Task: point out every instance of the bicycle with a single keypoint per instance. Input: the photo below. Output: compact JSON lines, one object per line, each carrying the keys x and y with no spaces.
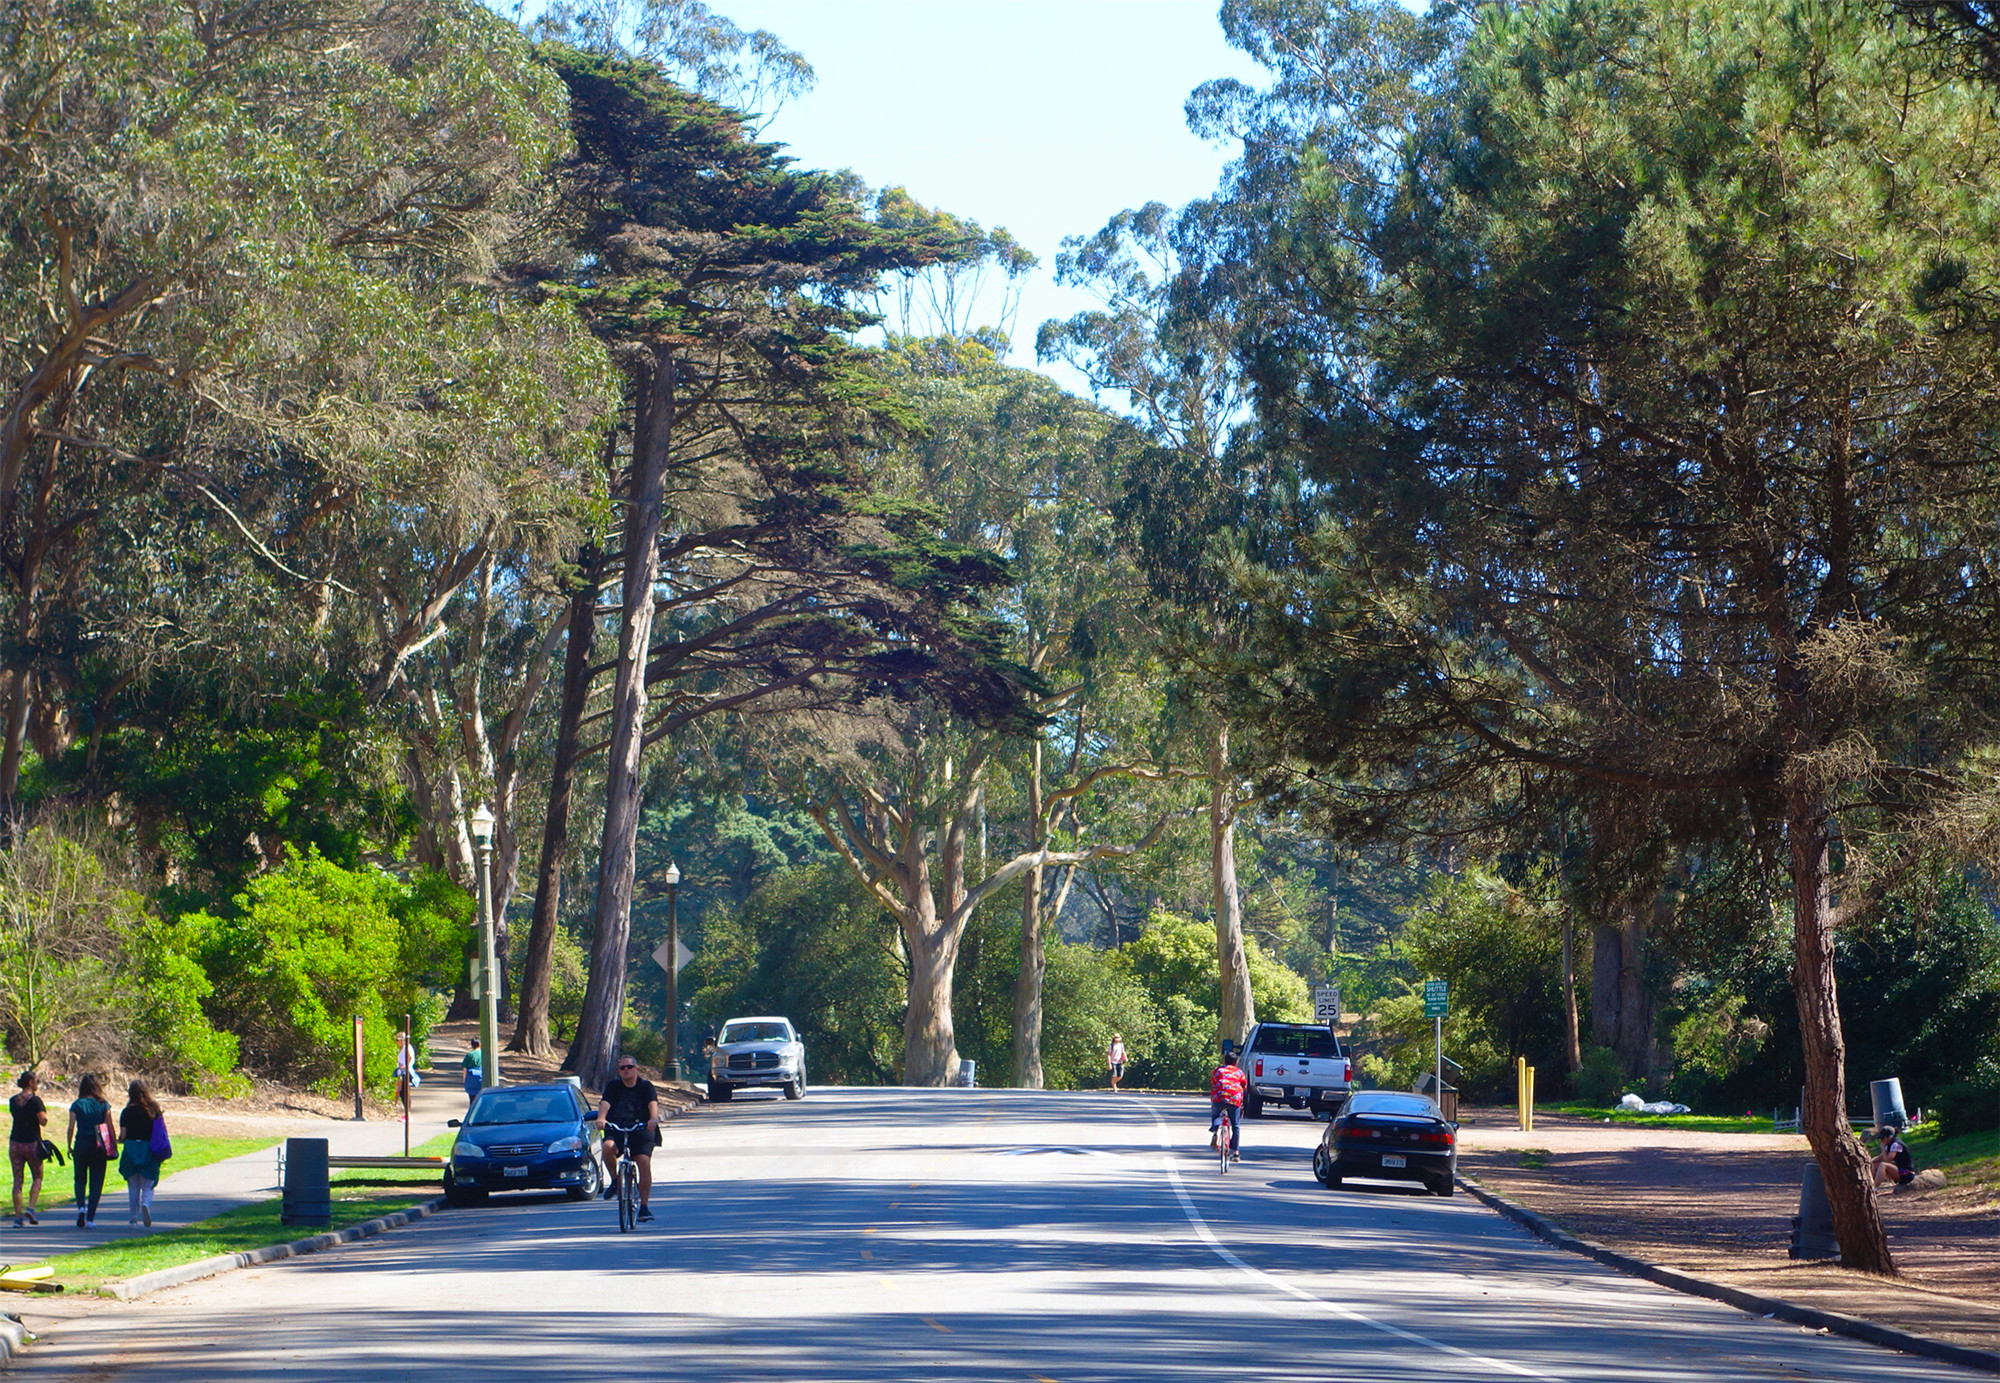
{"x":625,"y":1176}
{"x":1225,"y":1142}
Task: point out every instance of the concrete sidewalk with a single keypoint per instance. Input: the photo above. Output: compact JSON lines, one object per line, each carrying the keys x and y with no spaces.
{"x":183,"y":1198}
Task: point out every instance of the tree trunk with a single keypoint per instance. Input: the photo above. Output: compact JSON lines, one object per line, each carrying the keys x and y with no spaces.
{"x":929,"y":1044}
{"x":1607,"y":945}
{"x":531,"y":1030}
{"x":1572,"y":1039}
{"x":1239,"y":1010}
{"x":596,"y":1045}
{"x":1034,"y":957}
{"x":1857,"y":1219}
{"x":1635,"y":1008}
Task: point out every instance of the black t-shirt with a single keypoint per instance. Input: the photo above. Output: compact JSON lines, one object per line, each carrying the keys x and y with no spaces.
{"x":27,"y":1128}
{"x":629,"y":1104}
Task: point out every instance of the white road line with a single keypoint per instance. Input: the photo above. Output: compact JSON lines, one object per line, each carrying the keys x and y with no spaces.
{"x":1207,"y":1236}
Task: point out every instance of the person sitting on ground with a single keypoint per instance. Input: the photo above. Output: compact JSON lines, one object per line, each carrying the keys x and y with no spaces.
{"x":1893,"y":1166}
{"x":632,"y":1102}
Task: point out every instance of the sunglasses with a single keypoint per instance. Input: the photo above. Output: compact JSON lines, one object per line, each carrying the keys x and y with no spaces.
{"x":628,"y":1068}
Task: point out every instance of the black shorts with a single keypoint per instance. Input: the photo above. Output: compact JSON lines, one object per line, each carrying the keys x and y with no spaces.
{"x":642,"y":1141}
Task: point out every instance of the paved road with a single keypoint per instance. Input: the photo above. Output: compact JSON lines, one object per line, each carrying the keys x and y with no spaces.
{"x":924,"y":1235}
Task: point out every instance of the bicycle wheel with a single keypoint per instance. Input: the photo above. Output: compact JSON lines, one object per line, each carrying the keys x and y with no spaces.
{"x":628,"y":1196}
{"x":1222,"y":1146}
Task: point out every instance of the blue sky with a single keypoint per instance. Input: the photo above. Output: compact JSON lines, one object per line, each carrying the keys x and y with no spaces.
{"x":1043,"y":117}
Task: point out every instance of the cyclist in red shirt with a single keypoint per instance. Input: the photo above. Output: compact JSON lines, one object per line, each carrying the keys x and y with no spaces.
{"x":1225,"y":1103}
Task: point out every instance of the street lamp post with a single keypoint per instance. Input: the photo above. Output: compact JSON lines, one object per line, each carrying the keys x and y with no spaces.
{"x":673,"y":973}
{"x":489,"y":989}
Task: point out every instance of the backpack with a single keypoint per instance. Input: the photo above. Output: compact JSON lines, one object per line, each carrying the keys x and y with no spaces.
{"x":161,"y":1145}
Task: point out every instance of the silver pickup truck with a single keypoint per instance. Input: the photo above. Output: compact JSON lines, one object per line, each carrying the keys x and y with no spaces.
{"x":1295,"y":1064}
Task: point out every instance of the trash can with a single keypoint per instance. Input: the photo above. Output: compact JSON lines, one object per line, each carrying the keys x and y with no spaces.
{"x":966,"y":1071}
{"x":308,"y":1200}
{"x":1886,"y":1096}
{"x":1812,"y":1227}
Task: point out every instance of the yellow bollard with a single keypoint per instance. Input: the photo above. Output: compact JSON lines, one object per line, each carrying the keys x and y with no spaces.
{"x":1529,"y":1106}
{"x":1521,"y":1092}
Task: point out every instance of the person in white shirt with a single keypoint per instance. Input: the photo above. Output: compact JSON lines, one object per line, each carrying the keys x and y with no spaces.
{"x":1115,"y":1059}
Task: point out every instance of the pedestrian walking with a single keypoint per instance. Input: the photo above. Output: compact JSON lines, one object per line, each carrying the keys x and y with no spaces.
{"x":143,"y":1127}
{"x":475,"y":1072}
{"x":24,"y":1144}
{"x":407,"y":1078}
{"x":1115,"y":1059}
{"x":92,"y":1141}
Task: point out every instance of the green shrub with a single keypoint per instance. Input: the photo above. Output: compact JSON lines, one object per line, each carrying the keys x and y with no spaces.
{"x":171,"y":1036}
{"x":310,"y":946}
{"x":1968,"y":1106}
{"x":1600,"y":1080}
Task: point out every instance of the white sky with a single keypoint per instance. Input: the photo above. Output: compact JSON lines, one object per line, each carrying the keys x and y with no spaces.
{"x":1046,"y":117}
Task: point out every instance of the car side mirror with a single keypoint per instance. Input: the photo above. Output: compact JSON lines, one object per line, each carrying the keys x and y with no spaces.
{"x":451,"y":1123}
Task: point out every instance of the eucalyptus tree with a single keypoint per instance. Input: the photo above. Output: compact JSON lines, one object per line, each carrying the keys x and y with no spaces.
{"x":1192,"y":504}
{"x":242,"y":248}
{"x":1639,"y":359}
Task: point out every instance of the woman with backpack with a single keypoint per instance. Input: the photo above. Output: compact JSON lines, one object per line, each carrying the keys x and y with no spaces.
{"x":143,"y":1128}
{"x":92,"y":1141}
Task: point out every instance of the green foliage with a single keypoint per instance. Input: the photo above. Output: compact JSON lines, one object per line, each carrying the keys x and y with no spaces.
{"x":812,"y":945}
{"x":1601,"y":1079}
{"x":1173,"y":962}
{"x":1087,"y":995}
{"x":1968,"y":1106}
{"x":1499,"y":947}
{"x":309,"y":946}
{"x":172,"y":1035}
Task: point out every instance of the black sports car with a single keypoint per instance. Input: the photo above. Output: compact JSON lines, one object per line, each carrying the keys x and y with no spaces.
{"x":1386,"y":1135}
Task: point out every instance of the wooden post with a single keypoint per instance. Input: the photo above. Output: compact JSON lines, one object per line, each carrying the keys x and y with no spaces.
{"x":358,"y":1115}
{"x":409,"y":1047}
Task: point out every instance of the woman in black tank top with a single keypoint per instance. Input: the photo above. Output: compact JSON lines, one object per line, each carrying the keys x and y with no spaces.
{"x":24,"y":1143}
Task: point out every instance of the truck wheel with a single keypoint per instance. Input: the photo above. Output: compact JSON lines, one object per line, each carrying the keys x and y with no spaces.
{"x":1253,"y":1107}
{"x":795,"y":1087}
{"x":719,"y":1091}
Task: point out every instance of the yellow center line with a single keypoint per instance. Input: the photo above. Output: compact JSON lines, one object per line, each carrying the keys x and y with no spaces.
{"x":1041,"y":1378}
{"x":941,"y":1329}
{"x":869,"y":1230}
{"x":894,"y":1204}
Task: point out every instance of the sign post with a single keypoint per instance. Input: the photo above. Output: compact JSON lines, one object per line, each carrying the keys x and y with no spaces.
{"x":1437,"y":1001}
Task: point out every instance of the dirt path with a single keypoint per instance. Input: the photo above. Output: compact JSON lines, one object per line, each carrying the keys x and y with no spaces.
{"x":1720,"y":1205}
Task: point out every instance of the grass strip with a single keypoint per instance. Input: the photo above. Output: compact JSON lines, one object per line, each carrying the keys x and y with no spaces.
{"x":234,"y":1231}
{"x":189,"y":1152}
{"x":1697,"y":1123}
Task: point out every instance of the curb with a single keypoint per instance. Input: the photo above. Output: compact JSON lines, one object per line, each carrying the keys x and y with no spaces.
{"x":139,"y":1286}
{"x":1830,"y":1321}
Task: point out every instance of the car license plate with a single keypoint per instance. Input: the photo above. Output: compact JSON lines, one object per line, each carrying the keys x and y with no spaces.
{"x":523,"y":1171}
{"x":1394,"y":1160}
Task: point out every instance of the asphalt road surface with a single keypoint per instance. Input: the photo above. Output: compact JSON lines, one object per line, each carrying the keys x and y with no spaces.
{"x":933,"y":1234}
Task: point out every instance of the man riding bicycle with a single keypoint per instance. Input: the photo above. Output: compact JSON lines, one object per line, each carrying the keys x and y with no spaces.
{"x":631,"y":1102}
{"x":1225,"y":1103}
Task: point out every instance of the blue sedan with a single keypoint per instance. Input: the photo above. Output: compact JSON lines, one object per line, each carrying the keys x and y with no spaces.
{"x":524,"y":1138}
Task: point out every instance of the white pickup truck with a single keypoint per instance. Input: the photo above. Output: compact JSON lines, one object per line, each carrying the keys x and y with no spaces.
{"x":1296,"y":1064}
